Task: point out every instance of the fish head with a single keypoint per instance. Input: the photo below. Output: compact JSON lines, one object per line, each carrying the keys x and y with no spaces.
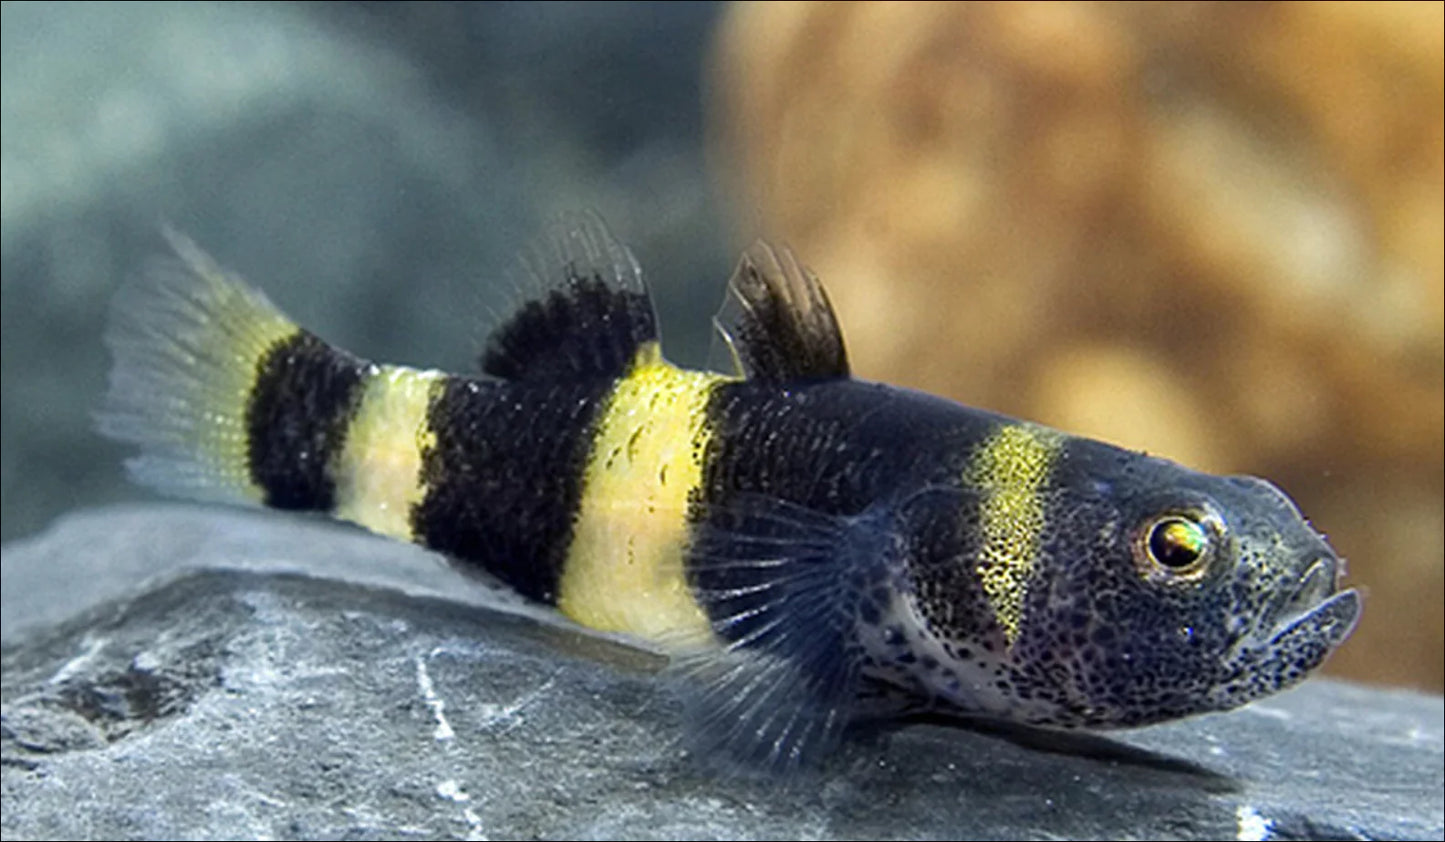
{"x":1148,"y":592}
{"x":1165,"y":593}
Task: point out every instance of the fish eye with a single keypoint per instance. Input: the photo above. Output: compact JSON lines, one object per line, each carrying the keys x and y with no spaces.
{"x":1175,"y":546}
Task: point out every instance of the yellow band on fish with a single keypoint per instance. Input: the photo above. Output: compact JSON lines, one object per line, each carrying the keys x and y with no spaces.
{"x":623,"y":570}
{"x":1011,"y":469}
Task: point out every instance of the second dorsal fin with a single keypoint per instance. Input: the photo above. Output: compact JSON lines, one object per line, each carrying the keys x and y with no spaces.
{"x":586,"y":311}
{"x":776,"y":323}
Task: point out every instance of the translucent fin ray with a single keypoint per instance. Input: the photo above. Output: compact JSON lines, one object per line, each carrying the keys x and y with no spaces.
{"x":784,"y":586}
{"x":186,"y":336}
{"x":776,"y":323}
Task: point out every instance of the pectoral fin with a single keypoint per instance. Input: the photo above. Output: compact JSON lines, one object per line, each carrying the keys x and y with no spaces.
{"x":786,"y":589}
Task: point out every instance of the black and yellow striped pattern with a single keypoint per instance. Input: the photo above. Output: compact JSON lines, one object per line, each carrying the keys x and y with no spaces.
{"x":792,"y":531}
{"x":582,"y":492}
{"x":623,"y":569}
{"x":583,"y":495}
{"x":574,"y":493}
{"x":582,"y":471}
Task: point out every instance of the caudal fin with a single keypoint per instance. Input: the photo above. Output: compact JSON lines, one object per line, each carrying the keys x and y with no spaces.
{"x":192,"y":345}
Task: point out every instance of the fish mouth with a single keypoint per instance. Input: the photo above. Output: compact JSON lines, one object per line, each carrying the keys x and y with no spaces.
{"x":1311,"y":620}
{"x":1329,"y":622}
{"x":1315,"y":609}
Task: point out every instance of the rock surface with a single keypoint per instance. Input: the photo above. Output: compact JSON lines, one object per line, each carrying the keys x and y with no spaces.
{"x":382,"y":696}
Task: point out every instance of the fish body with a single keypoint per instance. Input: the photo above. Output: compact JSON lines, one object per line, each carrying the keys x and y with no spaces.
{"x":813,"y":549}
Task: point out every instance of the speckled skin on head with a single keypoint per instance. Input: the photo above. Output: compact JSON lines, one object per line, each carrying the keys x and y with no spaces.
{"x":811,"y":548}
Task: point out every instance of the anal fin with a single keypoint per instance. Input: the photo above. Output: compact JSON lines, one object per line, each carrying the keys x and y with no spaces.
{"x":776,"y":323}
{"x":586,"y":312}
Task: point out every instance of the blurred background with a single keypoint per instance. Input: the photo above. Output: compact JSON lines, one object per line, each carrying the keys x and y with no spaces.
{"x":1208,"y":230}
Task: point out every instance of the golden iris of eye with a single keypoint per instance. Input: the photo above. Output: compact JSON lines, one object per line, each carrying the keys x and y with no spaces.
{"x":1177,"y":543}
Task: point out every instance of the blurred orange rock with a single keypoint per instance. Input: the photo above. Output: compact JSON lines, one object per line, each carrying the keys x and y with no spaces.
{"x":1208,"y":230}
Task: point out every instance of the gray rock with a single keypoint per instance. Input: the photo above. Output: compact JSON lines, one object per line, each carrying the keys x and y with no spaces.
{"x":98,"y":555}
{"x":383,"y":696}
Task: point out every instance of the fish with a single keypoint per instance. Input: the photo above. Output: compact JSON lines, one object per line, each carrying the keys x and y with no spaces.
{"x":812,"y":550}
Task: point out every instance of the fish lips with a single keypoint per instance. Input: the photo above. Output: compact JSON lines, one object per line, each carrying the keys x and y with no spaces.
{"x":1315,"y":608}
{"x":1327,"y":624}
{"x":1295,"y":636}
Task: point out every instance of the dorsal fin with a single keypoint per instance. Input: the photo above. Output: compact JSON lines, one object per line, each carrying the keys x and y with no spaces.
{"x":585,"y":311}
{"x":776,"y":323}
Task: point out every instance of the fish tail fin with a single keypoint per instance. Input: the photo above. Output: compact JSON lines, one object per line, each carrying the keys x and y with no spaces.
{"x":190,"y":342}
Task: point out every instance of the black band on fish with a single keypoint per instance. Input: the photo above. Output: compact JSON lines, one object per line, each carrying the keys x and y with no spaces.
{"x":503,"y":477}
{"x":296,"y":419}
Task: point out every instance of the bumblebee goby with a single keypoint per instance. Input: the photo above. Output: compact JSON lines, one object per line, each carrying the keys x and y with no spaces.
{"x":811,"y":548}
